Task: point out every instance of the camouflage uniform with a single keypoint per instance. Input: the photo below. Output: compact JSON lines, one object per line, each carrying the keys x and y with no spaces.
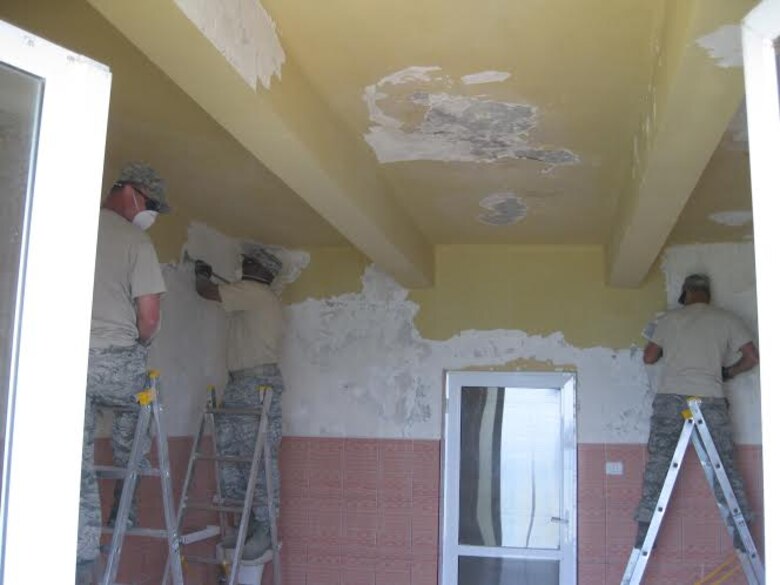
{"x":236,"y":436}
{"x":114,"y":376}
{"x":665,"y":427}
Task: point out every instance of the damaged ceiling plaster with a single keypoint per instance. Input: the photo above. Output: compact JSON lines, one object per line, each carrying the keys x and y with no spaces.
{"x":414,"y":119}
{"x":244,"y":33}
{"x":502,"y":209}
{"x":724,"y":45}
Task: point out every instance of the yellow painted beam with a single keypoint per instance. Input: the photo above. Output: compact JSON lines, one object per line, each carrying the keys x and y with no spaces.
{"x":290,"y":129}
{"x":690,"y":102}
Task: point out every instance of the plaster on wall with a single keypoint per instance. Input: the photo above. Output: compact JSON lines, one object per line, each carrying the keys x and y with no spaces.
{"x":355,"y":365}
{"x":732,"y":218}
{"x":243,"y":32}
{"x":724,"y":45}
{"x":422,"y":122}
{"x":502,"y":209}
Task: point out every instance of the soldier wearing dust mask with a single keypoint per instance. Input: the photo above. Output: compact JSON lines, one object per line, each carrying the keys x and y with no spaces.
{"x":255,"y":335}
{"x":125,"y":318}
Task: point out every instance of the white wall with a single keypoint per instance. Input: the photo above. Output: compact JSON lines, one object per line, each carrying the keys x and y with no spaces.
{"x":355,"y":365}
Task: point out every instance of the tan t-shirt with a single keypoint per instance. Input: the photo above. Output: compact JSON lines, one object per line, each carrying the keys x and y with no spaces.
{"x":126,"y":268}
{"x":256,"y":324}
{"x":696,"y":341}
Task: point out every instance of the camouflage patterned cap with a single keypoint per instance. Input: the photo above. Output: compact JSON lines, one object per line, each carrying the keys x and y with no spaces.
{"x":264,"y":259}
{"x":694,"y":282}
{"x":145,"y":178}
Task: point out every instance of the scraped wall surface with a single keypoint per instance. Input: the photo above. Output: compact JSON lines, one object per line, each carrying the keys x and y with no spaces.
{"x":370,"y":362}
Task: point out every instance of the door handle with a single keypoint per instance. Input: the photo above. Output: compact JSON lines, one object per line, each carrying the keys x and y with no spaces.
{"x":559,"y":520}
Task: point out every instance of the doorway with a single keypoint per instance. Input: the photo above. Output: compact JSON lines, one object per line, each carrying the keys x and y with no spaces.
{"x":509,"y":479}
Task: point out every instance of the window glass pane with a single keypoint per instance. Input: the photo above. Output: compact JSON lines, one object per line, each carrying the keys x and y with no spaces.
{"x":511,"y":467}
{"x":20,"y":101}
{"x":503,"y":571}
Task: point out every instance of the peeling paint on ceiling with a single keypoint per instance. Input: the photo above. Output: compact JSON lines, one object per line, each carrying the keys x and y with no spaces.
{"x":732,"y":218}
{"x":422,"y":122}
{"x":485,"y":77}
{"x":502,"y":209}
{"x":724,"y":45}
{"x":244,"y":34}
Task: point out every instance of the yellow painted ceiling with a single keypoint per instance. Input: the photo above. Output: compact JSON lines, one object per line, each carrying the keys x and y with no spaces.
{"x":210,"y":176}
{"x":720,"y":207}
{"x":375,"y":124}
{"x":585,"y":68}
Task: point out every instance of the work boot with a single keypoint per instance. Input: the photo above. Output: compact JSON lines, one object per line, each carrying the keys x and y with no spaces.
{"x":85,"y":572}
{"x":257,"y":544}
{"x":641,"y":533}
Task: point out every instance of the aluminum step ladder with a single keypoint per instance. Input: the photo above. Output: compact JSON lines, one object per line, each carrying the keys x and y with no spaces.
{"x":695,"y":429}
{"x":262,"y":451}
{"x":150,"y":413}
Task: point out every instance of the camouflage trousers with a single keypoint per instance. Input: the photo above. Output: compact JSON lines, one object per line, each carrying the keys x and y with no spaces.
{"x":665,"y":427}
{"x":114,"y":376}
{"x":236,"y":436}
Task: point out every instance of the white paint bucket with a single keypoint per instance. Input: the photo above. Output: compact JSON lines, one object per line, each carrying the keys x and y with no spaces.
{"x":249,"y":572}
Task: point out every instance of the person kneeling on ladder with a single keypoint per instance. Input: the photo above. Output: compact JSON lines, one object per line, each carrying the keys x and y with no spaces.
{"x":254,"y":339}
{"x":695,"y":343}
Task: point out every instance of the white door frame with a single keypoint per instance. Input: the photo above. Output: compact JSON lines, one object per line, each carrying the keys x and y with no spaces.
{"x":450,"y":549}
{"x":760,"y":33}
{"x":39,"y":508}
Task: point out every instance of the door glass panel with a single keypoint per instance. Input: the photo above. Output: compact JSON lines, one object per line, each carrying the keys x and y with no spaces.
{"x":511,"y":468}
{"x":505,"y":571}
{"x":20,"y":103}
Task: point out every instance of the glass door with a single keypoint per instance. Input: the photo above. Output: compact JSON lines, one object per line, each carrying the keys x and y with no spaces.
{"x":53,"y":114}
{"x":509,"y":479}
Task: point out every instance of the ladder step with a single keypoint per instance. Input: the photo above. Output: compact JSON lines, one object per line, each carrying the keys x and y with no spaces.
{"x":213,"y":507}
{"x":147,"y":532}
{"x":209,"y":532}
{"x":236,"y":411}
{"x":112,"y":472}
{"x":224,"y":458}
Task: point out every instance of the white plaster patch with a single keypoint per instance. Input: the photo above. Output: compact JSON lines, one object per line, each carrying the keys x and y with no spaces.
{"x":243,"y":32}
{"x":485,"y":77}
{"x":724,"y":45}
{"x":452,"y":128}
{"x":732,"y":218}
{"x":502,"y":209}
{"x":355,"y":365}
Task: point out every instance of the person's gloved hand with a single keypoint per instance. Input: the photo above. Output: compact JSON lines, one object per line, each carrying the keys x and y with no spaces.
{"x":203,"y":269}
{"x":725,"y":375}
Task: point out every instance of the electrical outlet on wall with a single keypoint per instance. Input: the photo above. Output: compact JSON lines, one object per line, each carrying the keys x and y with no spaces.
{"x":614,"y":468}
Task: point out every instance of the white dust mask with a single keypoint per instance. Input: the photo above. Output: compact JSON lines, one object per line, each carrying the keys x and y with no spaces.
{"x":144,"y":219}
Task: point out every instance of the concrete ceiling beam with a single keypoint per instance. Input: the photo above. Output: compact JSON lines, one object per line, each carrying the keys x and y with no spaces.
{"x":290,"y":129}
{"x":693,"y":96}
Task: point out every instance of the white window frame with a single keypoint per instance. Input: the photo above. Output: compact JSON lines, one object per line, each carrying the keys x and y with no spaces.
{"x":760,"y":34}
{"x":450,"y":550}
{"x":39,"y":508}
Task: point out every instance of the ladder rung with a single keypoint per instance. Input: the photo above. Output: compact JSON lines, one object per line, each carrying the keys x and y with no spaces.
{"x":209,"y":531}
{"x":239,"y":411}
{"x":203,"y":560}
{"x":213,"y":507}
{"x":147,"y":532}
{"x":225,"y":458}
{"x":112,"y":472}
